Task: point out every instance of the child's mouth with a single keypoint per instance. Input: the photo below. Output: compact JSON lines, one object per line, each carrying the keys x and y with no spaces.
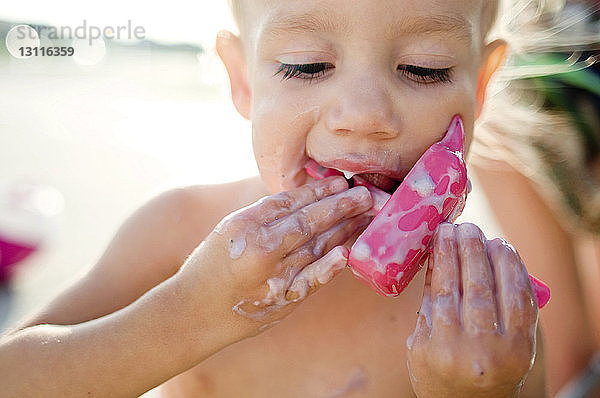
{"x":375,"y":180}
{"x":380,"y":181}
{"x":380,"y":185}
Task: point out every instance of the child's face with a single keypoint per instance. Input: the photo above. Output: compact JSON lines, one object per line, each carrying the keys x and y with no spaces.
{"x":362,"y":86}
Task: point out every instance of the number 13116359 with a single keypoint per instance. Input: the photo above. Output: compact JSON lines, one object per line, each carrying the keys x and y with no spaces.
{"x":46,"y":51}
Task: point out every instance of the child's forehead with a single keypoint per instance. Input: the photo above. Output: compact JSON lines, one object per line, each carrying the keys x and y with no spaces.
{"x":277,"y":16}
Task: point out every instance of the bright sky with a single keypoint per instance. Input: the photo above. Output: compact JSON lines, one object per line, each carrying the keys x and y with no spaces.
{"x":173,"y":21}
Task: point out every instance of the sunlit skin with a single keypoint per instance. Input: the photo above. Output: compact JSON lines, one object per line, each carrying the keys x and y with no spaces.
{"x":385,"y":80}
{"x":365,"y":107}
{"x":361,"y":109}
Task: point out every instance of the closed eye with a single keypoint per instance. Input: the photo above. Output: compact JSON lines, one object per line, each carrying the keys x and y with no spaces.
{"x":303,"y":71}
{"x":423,"y":75}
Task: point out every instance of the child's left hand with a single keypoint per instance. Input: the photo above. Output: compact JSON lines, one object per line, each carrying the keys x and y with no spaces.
{"x":475,"y":333}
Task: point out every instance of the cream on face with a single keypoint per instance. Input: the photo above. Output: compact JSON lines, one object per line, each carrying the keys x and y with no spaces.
{"x":374,"y":81}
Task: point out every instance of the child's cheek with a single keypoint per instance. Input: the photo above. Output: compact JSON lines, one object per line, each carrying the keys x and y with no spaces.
{"x":279,"y":136}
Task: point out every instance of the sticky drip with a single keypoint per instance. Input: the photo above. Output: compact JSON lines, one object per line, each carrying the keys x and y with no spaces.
{"x":319,"y":272}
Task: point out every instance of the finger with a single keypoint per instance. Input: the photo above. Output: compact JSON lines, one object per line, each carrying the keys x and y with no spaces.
{"x":272,"y":208}
{"x":516,"y":302}
{"x":314,"y":219}
{"x":479,"y":307}
{"x":322,"y":244}
{"x":317,"y":274}
{"x":338,"y":234}
{"x":445,"y":280}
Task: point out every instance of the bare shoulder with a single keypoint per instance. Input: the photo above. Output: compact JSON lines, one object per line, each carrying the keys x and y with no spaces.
{"x":155,"y":241}
{"x":148,"y":248}
{"x":516,"y":202}
{"x":203,"y":206}
{"x":526,"y":219}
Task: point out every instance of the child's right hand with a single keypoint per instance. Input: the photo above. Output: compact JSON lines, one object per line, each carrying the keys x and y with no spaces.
{"x":476,"y":330}
{"x":260,"y":261}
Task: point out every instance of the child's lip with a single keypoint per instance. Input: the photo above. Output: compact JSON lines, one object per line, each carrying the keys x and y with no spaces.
{"x":369,"y":175}
{"x":362,"y":167}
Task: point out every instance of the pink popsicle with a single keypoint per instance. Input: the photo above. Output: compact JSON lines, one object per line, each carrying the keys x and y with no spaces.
{"x":394,"y":246}
{"x":392,"y":249}
{"x":541,"y":291}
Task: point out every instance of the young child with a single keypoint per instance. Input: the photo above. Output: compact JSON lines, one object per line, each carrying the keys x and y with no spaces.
{"x":187,"y":293}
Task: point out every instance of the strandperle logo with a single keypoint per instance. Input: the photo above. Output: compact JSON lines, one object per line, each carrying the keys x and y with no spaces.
{"x":128,"y":31}
{"x":23,"y":41}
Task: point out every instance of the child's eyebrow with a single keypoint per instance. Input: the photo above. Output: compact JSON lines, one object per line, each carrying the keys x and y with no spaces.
{"x":322,"y":21}
{"x":327,"y":21}
{"x":454,"y":24}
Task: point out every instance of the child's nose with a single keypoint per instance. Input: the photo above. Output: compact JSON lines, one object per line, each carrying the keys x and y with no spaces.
{"x":364,"y":107}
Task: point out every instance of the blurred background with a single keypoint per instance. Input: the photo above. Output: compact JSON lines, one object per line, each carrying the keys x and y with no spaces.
{"x":110,"y":129}
{"x":85,"y":140}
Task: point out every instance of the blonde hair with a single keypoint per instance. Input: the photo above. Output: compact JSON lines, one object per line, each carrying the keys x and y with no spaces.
{"x":514,"y":126}
{"x":236,"y":11}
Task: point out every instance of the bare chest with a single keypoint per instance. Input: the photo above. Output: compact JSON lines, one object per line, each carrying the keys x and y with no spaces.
{"x":344,"y":341}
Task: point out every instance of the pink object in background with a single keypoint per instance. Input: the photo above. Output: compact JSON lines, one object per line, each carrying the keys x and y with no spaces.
{"x":10,"y":254}
{"x":27,"y":211}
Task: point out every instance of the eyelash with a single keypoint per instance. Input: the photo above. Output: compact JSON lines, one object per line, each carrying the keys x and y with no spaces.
{"x":303,"y":71}
{"x":423,"y":75}
{"x":417,"y":74}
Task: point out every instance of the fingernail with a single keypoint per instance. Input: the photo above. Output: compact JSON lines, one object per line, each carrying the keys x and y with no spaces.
{"x":354,"y":199}
{"x":468,"y":230}
{"x":360,"y":193}
{"x":338,"y":184}
{"x":445,"y":230}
